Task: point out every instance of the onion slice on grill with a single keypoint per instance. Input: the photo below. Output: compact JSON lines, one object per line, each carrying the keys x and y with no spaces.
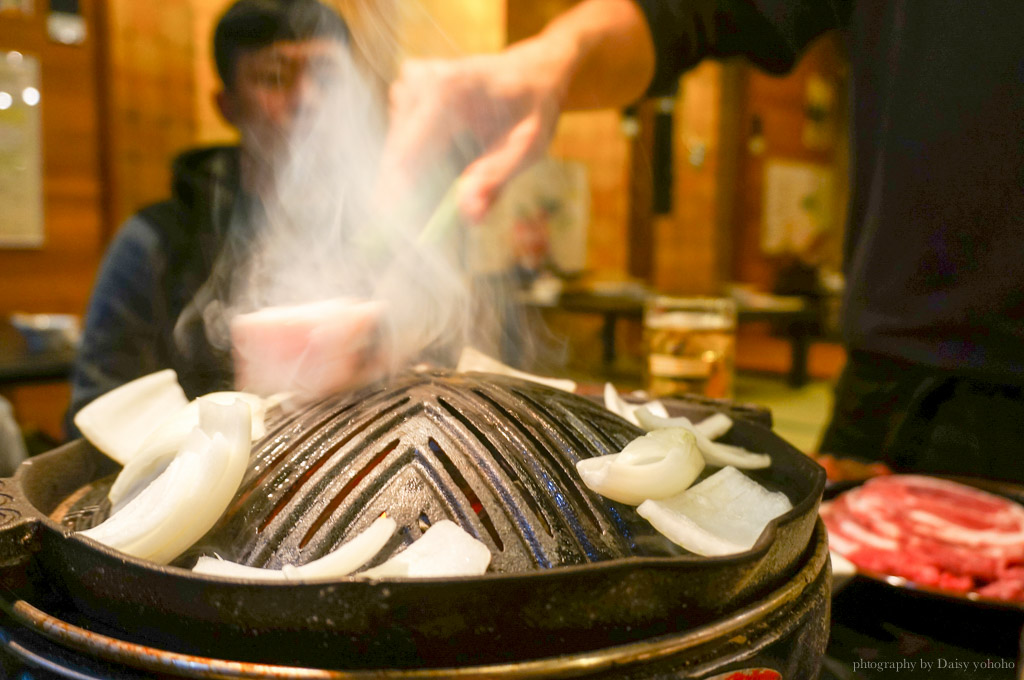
{"x":117,"y":422}
{"x":472,"y":359}
{"x":336,"y":564}
{"x":444,"y":550}
{"x":714,"y":426}
{"x":187,"y":498}
{"x":214,"y":566}
{"x":163,"y":443}
{"x":722,"y":515}
{"x":657,"y":465}
{"x":616,"y":404}
{"x":715,"y":453}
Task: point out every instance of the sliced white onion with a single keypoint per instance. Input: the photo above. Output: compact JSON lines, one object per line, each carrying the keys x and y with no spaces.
{"x":119,"y":421}
{"x":190,"y":495}
{"x":715,"y":453}
{"x":714,"y":426}
{"x":214,"y":566}
{"x":616,"y":404}
{"x":723,"y":515}
{"x":145,"y":514}
{"x":444,"y":550}
{"x":472,"y":359}
{"x":657,"y":465}
{"x":162,"y":444}
{"x":351,"y":555}
{"x":336,"y":564}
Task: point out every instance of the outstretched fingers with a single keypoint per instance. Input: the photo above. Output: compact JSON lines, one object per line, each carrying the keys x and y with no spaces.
{"x":484,"y":179}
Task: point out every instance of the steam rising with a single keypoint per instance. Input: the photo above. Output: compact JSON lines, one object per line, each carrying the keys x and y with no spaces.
{"x":327,"y":227}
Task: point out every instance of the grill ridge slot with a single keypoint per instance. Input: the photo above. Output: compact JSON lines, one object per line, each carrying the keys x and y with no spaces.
{"x":281,"y":539}
{"x":287,"y":420}
{"x":303,"y":504}
{"x":453,"y":504}
{"x":357,"y":509}
{"x":514,"y":513}
{"x":559,"y":437}
{"x":561,"y":418}
{"x":614,"y":513}
{"x":460,"y":481}
{"x":559,"y":502}
{"x":340,"y":497}
{"x":565,"y":416}
{"x":300,"y":483}
{"x":490,"y":453}
{"x":514,"y":475}
{"x":587,"y":429}
{"x":568,"y":484}
{"x":300,"y":422}
{"x":280,"y":454}
{"x":524,"y":483}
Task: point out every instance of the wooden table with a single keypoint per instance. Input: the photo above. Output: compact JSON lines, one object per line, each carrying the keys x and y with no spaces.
{"x":20,"y":365}
{"x":799,"y":325}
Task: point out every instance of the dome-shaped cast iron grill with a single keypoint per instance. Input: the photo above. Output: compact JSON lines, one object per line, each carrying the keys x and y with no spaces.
{"x":358,"y":623}
{"x":494,"y":454}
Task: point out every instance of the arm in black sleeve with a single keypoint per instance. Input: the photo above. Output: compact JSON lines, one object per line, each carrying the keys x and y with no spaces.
{"x":770,"y":33}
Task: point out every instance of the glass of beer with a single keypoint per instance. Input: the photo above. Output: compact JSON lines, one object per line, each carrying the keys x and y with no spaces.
{"x":690,"y":344}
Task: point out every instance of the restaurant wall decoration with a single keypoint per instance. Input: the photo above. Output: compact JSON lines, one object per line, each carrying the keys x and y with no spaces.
{"x":21,"y":153}
{"x":539,"y":223}
{"x":797,"y":208}
{"x":26,"y":7}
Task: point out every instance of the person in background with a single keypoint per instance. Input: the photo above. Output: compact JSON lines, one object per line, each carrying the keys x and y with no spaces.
{"x":141,"y":317}
{"x":933,"y":312}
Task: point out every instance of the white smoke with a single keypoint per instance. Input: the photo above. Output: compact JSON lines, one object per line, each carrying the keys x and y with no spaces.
{"x":331,"y":228}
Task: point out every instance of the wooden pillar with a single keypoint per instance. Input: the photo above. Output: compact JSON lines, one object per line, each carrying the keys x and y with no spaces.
{"x":640,"y":230}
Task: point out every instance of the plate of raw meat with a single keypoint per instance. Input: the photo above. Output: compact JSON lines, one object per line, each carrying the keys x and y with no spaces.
{"x":951,"y":537}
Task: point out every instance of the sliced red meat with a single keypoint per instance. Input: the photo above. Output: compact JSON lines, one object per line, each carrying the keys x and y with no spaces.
{"x":932,"y":531}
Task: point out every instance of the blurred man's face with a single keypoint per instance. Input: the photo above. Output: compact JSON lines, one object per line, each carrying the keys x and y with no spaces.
{"x":273,"y":85}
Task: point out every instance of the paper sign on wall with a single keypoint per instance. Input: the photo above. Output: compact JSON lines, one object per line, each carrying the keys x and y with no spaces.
{"x":21,"y":157}
{"x":21,"y":6}
{"x":797,"y":206}
{"x":539,"y":222}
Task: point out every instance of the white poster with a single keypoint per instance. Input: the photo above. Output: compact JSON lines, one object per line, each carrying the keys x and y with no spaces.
{"x":797,"y":206}
{"x":21,"y":152}
{"x":539,"y":222}
{"x":20,"y":6}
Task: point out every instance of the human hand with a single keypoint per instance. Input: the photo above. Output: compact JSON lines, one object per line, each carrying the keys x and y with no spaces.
{"x":497,"y":113}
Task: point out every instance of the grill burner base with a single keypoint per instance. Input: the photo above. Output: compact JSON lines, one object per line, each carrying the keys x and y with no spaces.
{"x":785,"y":632}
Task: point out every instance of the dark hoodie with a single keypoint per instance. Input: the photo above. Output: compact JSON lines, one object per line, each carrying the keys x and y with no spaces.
{"x":142,"y":317}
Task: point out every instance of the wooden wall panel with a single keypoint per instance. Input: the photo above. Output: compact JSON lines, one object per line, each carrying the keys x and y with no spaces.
{"x":780,"y":104}
{"x":687,"y":245}
{"x":595,"y":138}
{"x":57,"y":277}
{"x":152,"y":103}
{"x":211,"y":128}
